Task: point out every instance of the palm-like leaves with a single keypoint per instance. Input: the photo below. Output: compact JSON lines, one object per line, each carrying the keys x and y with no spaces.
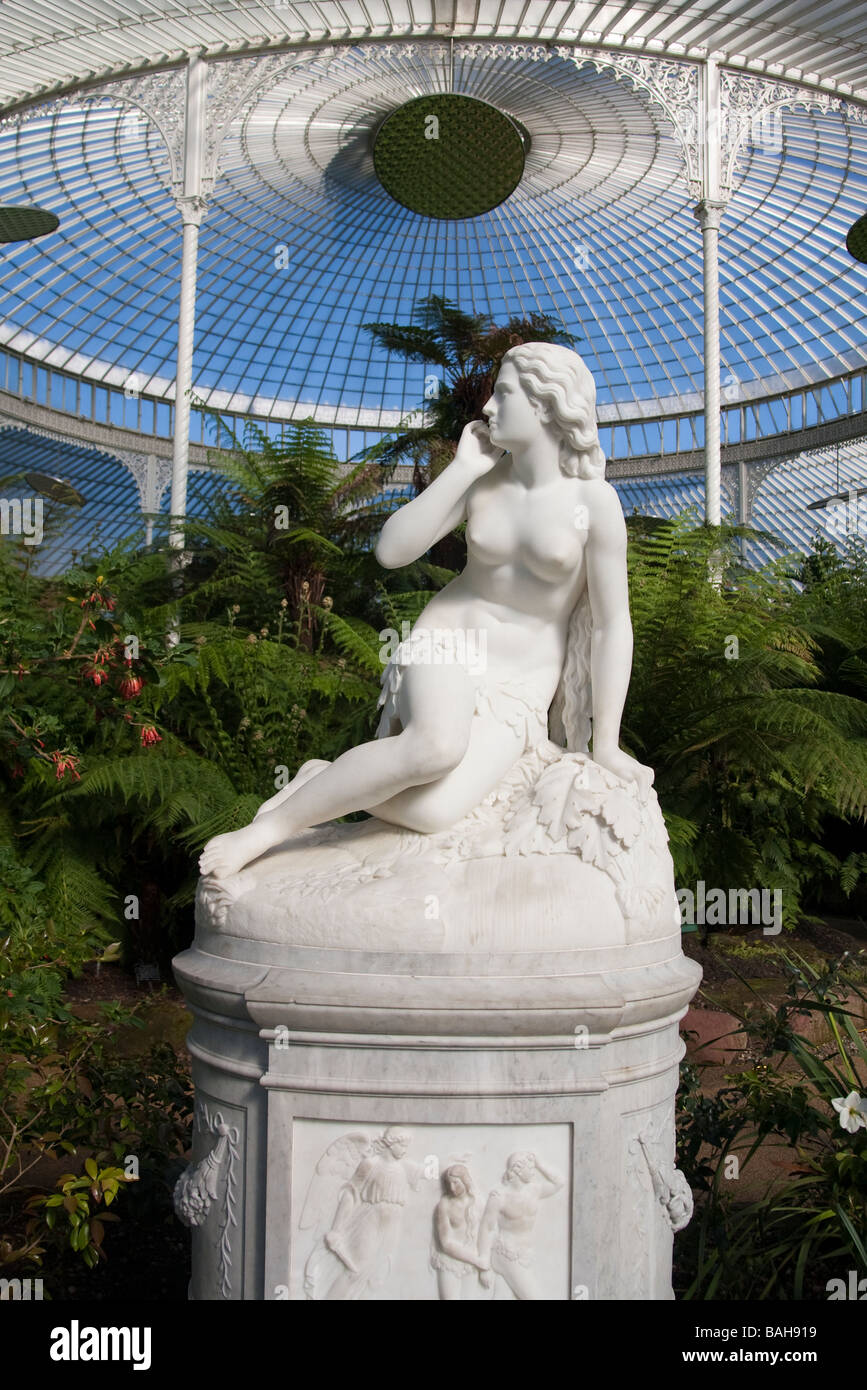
{"x":290,"y":518}
{"x":468,"y":348}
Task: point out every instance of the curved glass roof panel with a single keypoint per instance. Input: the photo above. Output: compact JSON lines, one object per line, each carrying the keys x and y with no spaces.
{"x":780,"y":506}
{"x":301,"y":245}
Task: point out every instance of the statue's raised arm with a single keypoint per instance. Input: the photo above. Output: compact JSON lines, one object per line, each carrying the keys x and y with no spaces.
{"x":411,"y":531}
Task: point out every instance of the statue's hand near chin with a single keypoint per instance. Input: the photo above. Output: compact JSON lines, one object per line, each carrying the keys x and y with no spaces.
{"x":625,"y":767}
{"x":476,"y":450}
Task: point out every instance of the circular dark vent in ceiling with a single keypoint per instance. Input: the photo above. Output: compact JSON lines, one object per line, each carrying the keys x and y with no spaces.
{"x":448,"y":155}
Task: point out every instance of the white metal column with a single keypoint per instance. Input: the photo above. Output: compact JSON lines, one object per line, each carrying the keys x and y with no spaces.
{"x":709,"y":212}
{"x":191,"y":206}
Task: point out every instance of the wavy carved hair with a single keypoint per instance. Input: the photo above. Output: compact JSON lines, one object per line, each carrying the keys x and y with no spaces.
{"x":460,"y":1170}
{"x":558,"y":378}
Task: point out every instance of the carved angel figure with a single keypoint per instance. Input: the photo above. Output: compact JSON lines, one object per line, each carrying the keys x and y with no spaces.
{"x":354,"y":1252}
{"x":543,"y":599}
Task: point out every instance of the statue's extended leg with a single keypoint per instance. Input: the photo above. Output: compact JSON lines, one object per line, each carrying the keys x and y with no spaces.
{"x":439,"y":713}
{"x":304,"y":773}
{"x":493,"y":750}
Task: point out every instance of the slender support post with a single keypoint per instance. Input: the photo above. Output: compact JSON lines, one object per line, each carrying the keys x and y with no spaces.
{"x":191,"y":207}
{"x":743,"y":494}
{"x":743,"y":503}
{"x":708,"y":215}
{"x":151,"y":498}
{"x":183,"y":383}
{"x":709,"y":212}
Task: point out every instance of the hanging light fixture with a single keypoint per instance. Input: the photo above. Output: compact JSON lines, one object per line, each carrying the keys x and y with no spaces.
{"x":57,"y":489}
{"x":26,"y":223}
{"x":856,"y":239}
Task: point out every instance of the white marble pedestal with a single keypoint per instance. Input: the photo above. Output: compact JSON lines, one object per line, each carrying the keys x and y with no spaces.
{"x":305,"y":1055}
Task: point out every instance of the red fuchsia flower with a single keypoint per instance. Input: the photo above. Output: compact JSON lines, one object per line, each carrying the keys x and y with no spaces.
{"x":130,"y":686}
{"x":17,"y":770}
{"x":95,"y":674}
{"x":63,"y":763}
{"x":149,"y":735}
{"x":97,"y":596}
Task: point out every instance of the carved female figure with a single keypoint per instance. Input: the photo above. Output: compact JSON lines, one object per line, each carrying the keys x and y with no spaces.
{"x":455,"y":1223}
{"x":544,"y":584}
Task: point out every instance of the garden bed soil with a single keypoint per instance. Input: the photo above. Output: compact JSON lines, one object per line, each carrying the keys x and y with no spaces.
{"x":758,"y":957}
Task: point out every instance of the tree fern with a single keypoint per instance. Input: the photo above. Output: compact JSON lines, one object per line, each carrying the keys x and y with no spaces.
{"x":358,"y":641}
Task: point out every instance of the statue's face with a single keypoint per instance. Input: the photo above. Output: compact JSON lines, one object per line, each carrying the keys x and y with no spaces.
{"x":398,"y":1144}
{"x":513,"y":419}
{"x":522,"y":1168}
{"x":456,"y":1185}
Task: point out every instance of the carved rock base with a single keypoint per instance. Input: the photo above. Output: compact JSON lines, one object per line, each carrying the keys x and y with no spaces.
{"x":423,"y":1123}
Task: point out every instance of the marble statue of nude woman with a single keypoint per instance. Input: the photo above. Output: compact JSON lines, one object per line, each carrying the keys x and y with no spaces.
{"x":545,"y":586}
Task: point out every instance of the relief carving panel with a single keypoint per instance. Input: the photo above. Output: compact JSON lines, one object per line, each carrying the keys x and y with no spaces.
{"x":428,"y":1212}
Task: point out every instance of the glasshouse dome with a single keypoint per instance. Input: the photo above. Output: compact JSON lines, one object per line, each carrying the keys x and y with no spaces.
{"x":319,"y":319}
{"x":637,"y":148}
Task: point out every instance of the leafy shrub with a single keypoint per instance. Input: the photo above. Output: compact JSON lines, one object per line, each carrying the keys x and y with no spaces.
{"x":756,"y":764}
{"x":804,"y":1232}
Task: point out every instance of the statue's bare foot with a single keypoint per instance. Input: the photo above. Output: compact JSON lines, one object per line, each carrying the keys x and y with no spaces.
{"x":336,"y":1246}
{"x":304,"y":773}
{"x":228,"y":854}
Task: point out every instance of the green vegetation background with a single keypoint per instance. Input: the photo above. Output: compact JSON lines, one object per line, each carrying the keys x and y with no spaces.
{"x":117,"y":763}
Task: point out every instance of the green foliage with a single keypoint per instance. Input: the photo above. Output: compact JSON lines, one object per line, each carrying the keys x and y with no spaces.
{"x":65,"y":1091}
{"x":35,"y":957}
{"x":753,"y":757}
{"x":803,"y":1232}
{"x":102,"y":1110}
{"x":289,"y":522}
{"x":468,"y":348}
{"x":78,"y":1206}
{"x":120,"y":756}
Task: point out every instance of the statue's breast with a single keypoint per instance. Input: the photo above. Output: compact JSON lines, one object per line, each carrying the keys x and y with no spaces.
{"x":511,"y":530}
{"x":555,"y":556}
{"x":492,"y":536}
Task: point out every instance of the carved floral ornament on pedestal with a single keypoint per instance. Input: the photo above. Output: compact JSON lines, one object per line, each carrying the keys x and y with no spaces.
{"x":212,"y":1185}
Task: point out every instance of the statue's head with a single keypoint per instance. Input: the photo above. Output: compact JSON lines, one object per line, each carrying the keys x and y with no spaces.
{"x":520,"y":1167}
{"x":396,"y":1140}
{"x":456,"y":1181}
{"x":558,"y":383}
